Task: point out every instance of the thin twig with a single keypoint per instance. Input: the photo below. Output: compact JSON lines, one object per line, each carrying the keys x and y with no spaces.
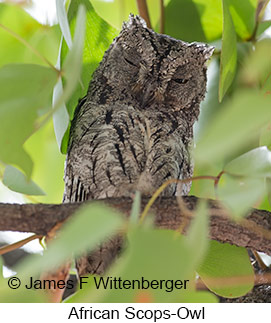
{"x":18,"y":244}
{"x":259,"y":260}
{"x":162,"y":17}
{"x":168,"y":182}
{"x":217,"y":181}
{"x":252,"y":38}
{"x":143,"y":11}
{"x":258,"y":17}
{"x":187,"y":214}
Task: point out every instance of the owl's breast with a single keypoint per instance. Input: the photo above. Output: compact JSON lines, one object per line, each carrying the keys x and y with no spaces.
{"x":116,"y":150}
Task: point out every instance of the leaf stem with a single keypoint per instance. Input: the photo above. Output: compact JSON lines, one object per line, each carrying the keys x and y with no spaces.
{"x":217,"y":180}
{"x":168,"y":182}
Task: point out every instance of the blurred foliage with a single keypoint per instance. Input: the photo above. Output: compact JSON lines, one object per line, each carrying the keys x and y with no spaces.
{"x":155,"y":255}
{"x":98,"y":37}
{"x":214,"y":266}
{"x":45,"y":70}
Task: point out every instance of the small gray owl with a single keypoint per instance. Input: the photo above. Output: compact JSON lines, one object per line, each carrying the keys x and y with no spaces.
{"x":134,"y":128}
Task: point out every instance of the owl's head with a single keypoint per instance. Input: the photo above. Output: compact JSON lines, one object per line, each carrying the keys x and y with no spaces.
{"x":154,"y":71}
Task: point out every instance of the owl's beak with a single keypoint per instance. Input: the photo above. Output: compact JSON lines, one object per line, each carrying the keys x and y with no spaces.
{"x":144,"y":94}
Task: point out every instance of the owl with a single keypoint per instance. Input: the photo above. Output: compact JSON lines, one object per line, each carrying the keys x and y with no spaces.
{"x":134,"y":128}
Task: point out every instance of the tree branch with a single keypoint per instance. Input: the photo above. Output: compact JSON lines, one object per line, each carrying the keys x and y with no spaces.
{"x":253,"y":232}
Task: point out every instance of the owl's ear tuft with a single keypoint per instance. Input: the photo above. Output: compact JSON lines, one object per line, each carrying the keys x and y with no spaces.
{"x":204,"y":50}
{"x":134,"y":21}
{"x":207,"y":52}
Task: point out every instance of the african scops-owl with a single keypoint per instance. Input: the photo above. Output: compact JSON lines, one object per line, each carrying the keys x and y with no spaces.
{"x":134,"y":128}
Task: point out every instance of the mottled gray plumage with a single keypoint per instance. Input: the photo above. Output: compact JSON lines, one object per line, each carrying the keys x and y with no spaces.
{"x":134,"y":128}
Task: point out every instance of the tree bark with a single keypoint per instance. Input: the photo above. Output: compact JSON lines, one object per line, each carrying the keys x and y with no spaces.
{"x":252,"y":232}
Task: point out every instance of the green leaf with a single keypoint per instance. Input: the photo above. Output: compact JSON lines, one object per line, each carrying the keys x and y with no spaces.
{"x":255,"y":163}
{"x":210,"y":104}
{"x":25,"y":90}
{"x":117,"y":11}
{"x":207,"y":19}
{"x":262,"y":28}
{"x":243,"y":16}
{"x":73,"y":61}
{"x":98,"y":37}
{"x":49,"y":163}
{"x":238,"y":195}
{"x":265,"y":137}
{"x":235,"y":125}
{"x":72,"y":71}
{"x":257,"y":66}
{"x":83,"y":232}
{"x":154,"y":255}
{"x":262,"y":4}
{"x":266,"y":86}
{"x":63,"y":21}
{"x":1,"y":269}
{"x":198,"y":231}
{"x":17,"y":182}
{"x":180,"y":13}
{"x":228,"y":59}
{"x":268,"y":188}
{"x":43,"y":38}
{"x":20,"y":295}
{"x":61,"y":117}
{"x":231,"y":265}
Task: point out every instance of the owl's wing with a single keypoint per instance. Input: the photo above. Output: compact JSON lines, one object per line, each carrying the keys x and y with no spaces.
{"x":106,"y":152}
